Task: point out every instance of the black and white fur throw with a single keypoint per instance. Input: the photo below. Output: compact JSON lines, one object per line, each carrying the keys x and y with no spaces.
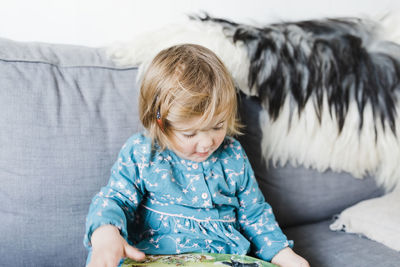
{"x":329,"y":88}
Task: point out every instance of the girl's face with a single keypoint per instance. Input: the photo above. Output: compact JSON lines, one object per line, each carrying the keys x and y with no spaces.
{"x":197,"y":144}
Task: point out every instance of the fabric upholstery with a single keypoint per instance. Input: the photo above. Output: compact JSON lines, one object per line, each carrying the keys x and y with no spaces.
{"x":65,"y":112}
{"x":325,"y":248}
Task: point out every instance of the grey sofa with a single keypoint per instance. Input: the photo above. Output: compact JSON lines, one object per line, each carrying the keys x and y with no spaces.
{"x":65,"y":111}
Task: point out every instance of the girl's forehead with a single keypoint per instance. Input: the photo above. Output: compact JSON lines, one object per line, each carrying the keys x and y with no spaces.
{"x":197,"y":123}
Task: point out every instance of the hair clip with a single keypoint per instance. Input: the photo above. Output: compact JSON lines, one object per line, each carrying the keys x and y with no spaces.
{"x":159,"y":121}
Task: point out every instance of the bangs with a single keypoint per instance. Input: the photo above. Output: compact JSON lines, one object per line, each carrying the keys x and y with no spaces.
{"x":210,"y":105}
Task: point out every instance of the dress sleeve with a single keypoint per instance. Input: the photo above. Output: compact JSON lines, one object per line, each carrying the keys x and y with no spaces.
{"x":257,"y":219}
{"x":117,"y":202}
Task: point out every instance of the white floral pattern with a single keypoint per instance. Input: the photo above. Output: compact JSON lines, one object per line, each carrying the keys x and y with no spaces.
{"x":166,"y":205}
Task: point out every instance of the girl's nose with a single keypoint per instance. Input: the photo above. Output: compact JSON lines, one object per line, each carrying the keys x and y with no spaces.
{"x":206,"y":141}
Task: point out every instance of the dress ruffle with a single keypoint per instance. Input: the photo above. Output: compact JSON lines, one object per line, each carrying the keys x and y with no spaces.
{"x":177,"y":233}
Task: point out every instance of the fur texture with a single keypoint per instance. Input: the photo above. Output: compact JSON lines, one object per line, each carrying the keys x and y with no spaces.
{"x":145,"y":46}
{"x":329,"y":87}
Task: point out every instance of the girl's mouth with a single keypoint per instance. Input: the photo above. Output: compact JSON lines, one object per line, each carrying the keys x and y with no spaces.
{"x":202,"y":154}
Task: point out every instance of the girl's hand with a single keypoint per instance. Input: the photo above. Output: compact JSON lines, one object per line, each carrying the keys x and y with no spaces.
{"x":288,"y":258}
{"x":109,"y":247}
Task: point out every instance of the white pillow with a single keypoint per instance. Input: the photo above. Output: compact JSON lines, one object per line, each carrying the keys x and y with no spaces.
{"x":377,"y":219}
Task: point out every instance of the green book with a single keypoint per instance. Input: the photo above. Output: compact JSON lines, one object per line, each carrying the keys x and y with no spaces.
{"x":199,"y":259}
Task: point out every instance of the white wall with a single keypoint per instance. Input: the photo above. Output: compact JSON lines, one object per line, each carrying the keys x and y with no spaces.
{"x":101,"y":22}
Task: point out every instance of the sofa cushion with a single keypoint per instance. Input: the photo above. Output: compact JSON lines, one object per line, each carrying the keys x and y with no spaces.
{"x":299,"y":195}
{"x":65,"y":111}
{"x":325,"y":248}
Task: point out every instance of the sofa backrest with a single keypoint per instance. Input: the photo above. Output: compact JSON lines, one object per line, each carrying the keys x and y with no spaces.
{"x":65,"y":112}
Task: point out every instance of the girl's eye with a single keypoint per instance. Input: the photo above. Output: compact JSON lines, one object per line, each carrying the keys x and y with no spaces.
{"x":189,"y":135}
{"x":219,"y":126}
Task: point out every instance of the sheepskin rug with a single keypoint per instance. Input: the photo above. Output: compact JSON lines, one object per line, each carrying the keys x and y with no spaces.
{"x":329,"y":87}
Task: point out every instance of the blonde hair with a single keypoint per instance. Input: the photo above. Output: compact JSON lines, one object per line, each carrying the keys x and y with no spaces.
{"x":184,"y":81}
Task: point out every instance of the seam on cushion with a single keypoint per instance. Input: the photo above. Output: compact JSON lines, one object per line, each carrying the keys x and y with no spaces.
{"x":68,"y":66}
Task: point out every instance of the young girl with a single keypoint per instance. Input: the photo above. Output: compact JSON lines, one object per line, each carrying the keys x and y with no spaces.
{"x":184,"y":186}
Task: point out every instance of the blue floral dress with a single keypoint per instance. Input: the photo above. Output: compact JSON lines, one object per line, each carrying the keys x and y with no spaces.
{"x":163,"y":204}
